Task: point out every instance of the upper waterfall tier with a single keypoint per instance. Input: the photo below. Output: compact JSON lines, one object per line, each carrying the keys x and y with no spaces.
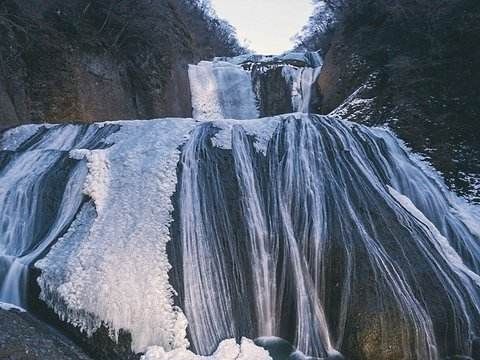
{"x":327,"y":234}
{"x":252,"y":86}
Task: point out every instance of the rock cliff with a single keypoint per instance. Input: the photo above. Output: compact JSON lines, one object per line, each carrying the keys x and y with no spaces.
{"x":93,"y":60}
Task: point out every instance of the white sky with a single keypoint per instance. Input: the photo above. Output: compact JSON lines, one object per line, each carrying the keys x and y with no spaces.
{"x":266,"y":25}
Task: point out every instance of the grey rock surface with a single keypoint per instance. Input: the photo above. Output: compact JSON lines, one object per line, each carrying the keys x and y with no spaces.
{"x":24,"y":337}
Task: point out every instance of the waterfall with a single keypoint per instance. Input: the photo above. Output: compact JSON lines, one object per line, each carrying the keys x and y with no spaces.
{"x":41,"y":191}
{"x":301,"y":81}
{"x":309,"y":237}
{"x":221,"y":90}
{"x":245,"y":87}
{"x":198,"y":236}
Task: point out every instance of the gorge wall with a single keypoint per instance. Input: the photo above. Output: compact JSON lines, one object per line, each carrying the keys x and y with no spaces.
{"x":102,"y":60}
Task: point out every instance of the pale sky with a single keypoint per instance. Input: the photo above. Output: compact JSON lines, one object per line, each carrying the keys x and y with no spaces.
{"x":266,"y":25}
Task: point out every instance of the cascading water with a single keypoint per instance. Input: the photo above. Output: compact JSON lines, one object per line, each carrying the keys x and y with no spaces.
{"x":301,"y":81}
{"x":249,"y":86}
{"x":41,"y":191}
{"x":312,"y":232}
{"x":221,"y":90}
{"x":327,"y":234}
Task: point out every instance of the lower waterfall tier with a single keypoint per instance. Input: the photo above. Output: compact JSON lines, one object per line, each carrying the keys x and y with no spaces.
{"x":315,"y":230}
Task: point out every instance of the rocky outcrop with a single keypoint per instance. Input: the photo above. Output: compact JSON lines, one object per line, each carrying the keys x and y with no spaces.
{"x":23,"y":337}
{"x":272,"y":91}
{"x":341,"y":72}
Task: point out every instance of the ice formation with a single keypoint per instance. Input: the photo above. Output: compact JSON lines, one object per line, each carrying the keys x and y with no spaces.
{"x":310,"y":169}
{"x":226,"y":87}
{"x":39,"y":202}
{"x":221,"y":90}
{"x":301,"y":81}
{"x":122,"y":250}
{"x":259,"y":194}
{"x":8,"y":307}
{"x":310,"y":59}
{"x":14,"y":137}
{"x":227,"y":350}
{"x":260,"y":129}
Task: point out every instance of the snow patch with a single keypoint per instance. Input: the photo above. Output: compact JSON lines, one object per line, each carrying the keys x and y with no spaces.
{"x":227,"y":350}
{"x":97,"y":181}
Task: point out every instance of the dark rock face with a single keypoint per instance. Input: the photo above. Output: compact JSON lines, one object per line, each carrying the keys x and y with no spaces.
{"x":99,"y":60}
{"x":23,"y":337}
{"x":476,"y":349}
{"x":272,"y":90}
{"x":278,"y":349}
{"x":342,"y":73}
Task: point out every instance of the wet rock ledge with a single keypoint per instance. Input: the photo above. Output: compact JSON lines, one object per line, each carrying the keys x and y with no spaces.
{"x":23,"y":337}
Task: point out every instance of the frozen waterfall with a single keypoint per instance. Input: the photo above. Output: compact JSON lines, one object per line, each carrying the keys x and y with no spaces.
{"x":198,"y":237}
{"x":221,"y":90}
{"x":299,"y":233}
{"x":241,"y":87}
{"x":301,"y":81}
{"x":41,"y":192}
